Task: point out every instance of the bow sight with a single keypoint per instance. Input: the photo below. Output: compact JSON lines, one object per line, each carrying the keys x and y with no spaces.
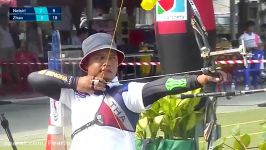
{"x":208,"y":55}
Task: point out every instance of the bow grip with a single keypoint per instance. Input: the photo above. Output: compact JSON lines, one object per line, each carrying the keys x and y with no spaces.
{"x":211,"y":72}
{"x":184,"y":96}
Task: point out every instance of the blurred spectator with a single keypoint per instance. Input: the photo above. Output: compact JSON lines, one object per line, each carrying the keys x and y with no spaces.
{"x":34,"y":39}
{"x":252,"y":42}
{"x":7,"y":47}
{"x":7,"y":50}
{"x":14,"y":31}
{"x":251,"y":39}
{"x":263,"y":34}
{"x":81,"y":35}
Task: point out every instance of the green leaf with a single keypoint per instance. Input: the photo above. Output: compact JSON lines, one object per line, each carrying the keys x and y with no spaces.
{"x":140,"y":132}
{"x":262,"y":146}
{"x":153,"y":130}
{"x":154,"y":125}
{"x":143,"y":123}
{"x":168,"y":126}
{"x":155,"y":107}
{"x":218,"y":144}
{"x":151,"y":113}
{"x":165,"y":106}
{"x":166,"y":120}
{"x":187,"y":123}
{"x":172,"y":106}
{"x":166,"y":130}
{"x":158,"y":119}
{"x":191,"y":122}
{"x":184,"y":103}
{"x":245,"y":140}
{"x":238,"y":145}
{"x":236,"y":130}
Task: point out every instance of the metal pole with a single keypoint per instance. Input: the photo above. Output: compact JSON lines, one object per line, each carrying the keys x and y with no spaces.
{"x":114,"y":9}
{"x":89,"y":12}
{"x":259,"y":17}
{"x":232,"y":19}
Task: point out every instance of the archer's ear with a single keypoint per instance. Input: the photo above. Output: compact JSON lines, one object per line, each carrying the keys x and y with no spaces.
{"x":86,"y":64}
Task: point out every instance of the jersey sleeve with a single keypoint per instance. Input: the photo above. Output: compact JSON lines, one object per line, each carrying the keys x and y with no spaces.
{"x":133,"y":97}
{"x":50,"y":83}
{"x":154,"y":90}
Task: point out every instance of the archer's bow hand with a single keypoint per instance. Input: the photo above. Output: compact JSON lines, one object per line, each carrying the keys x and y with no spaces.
{"x":219,"y":76}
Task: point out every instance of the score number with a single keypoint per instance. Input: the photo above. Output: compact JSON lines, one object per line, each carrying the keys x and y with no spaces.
{"x":55,"y":17}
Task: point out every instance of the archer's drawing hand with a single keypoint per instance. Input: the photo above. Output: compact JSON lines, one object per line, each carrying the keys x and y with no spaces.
{"x":91,"y":84}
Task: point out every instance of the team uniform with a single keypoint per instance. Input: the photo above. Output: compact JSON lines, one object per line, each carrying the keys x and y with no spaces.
{"x":117,"y":104}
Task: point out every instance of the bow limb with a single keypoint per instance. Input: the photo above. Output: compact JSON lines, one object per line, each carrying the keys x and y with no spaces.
{"x":201,"y":37}
{"x":114,"y":32}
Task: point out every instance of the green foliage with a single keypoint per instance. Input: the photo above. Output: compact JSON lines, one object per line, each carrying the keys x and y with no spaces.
{"x":173,"y":117}
{"x":241,"y":142}
{"x":218,"y":144}
{"x":262,"y":146}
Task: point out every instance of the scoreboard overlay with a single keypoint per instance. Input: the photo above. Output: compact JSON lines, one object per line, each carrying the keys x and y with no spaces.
{"x":39,"y":14}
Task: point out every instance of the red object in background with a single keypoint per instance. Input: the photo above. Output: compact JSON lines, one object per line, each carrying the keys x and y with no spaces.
{"x":171,"y":27}
{"x":206,"y":11}
{"x":10,"y":3}
{"x":25,"y":56}
{"x":23,"y":69}
{"x":16,"y":72}
{"x":135,"y":37}
{"x":205,"y":8}
{"x":176,"y":42}
{"x":166,"y":4}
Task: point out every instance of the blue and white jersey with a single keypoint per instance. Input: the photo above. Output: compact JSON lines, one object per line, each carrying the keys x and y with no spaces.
{"x":119,"y":109}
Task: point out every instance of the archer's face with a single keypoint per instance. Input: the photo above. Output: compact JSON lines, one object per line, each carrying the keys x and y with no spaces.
{"x":99,"y":66}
